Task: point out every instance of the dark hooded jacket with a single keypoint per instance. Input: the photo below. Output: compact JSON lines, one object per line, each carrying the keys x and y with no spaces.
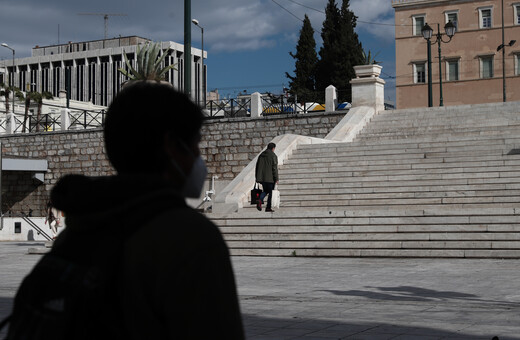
{"x":173,"y":274}
{"x":267,"y":167}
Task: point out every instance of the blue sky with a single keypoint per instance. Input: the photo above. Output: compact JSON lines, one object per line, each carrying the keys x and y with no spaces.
{"x":248,"y":41}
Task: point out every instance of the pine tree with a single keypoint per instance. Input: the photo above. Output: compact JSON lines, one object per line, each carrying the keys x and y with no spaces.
{"x":340,"y":52}
{"x":303,"y":84}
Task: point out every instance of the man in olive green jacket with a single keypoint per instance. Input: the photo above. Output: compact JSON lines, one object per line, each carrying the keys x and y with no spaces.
{"x":267,"y":175}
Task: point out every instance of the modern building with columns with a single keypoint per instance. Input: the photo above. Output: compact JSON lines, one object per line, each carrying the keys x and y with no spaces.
{"x":471,"y":66}
{"x":93,"y":65}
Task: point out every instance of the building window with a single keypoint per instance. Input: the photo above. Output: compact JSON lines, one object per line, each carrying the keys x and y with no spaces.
{"x":486,"y":67}
{"x":452,"y":69}
{"x":485,"y":17}
{"x":418,"y":24}
{"x":516,"y":9}
{"x":453,"y":16}
{"x":419,"y":73}
{"x":517,"y":64}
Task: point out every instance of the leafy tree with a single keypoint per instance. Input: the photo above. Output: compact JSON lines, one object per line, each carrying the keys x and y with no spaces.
{"x":6,"y":90}
{"x":38,"y":98}
{"x":149,"y":63}
{"x":303,"y":84}
{"x":341,"y":50}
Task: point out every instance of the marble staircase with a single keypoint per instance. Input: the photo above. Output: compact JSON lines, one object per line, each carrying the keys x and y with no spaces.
{"x":439,"y":182}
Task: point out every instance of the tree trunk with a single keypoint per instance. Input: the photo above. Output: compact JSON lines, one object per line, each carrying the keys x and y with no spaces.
{"x":6,"y":104}
{"x":40,"y":104}
{"x":26,"y":115}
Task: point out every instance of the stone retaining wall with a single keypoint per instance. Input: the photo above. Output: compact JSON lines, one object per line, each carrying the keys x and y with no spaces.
{"x":227,"y":145}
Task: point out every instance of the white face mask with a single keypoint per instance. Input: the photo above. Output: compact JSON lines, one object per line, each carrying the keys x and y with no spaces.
{"x":194,"y":181}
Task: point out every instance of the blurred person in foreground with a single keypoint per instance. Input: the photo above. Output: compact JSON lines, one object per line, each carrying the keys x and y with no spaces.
{"x":173,"y":275}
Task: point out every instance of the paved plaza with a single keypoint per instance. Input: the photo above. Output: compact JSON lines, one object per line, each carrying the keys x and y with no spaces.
{"x":338,"y":298}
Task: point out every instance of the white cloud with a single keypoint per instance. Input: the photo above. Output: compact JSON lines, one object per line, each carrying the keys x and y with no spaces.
{"x":230,"y":25}
{"x":375,"y":17}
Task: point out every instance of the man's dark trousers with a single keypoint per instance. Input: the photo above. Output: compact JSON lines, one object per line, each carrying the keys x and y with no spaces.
{"x":267,"y":189}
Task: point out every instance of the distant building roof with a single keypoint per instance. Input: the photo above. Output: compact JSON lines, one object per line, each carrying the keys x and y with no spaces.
{"x":70,"y":47}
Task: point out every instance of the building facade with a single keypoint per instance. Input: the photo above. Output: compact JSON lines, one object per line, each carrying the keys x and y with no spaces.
{"x":93,"y":67}
{"x":471,"y":66}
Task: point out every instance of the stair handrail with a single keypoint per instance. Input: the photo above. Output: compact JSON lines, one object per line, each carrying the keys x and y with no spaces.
{"x":35,"y":227}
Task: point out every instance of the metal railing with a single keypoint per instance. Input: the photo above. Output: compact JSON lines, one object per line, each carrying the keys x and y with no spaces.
{"x":85,"y":119}
{"x":228,"y":108}
{"x":79,"y":119}
{"x":35,"y":227}
{"x":46,"y":123}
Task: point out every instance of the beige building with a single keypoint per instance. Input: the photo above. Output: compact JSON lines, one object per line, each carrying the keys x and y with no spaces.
{"x":471,"y":65}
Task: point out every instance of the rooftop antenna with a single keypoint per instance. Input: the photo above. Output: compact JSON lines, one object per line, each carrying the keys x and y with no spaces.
{"x":105,"y":16}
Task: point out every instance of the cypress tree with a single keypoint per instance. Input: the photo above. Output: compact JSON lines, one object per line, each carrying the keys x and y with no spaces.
{"x":303,"y":84}
{"x":340,"y":52}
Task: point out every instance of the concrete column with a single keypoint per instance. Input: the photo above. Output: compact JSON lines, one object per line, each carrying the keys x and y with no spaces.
{"x":367,"y":88}
{"x":65,"y":119}
{"x":331,"y":99}
{"x":256,"y":105}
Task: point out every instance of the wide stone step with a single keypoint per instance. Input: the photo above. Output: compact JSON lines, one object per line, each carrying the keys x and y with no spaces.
{"x":388,"y":253}
{"x":310,"y":195}
{"x":316,"y":189}
{"x":441,"y":151}
{"x":506,"y":138}
{"x":335,"y":183}
{"x":418,"y":175}
{"x":411,"y":169}
{"x":393,"y":165}
{"x":416,"y":160}
{"x":492,"y":110}
{"x":438,"y":135}
{"x":408,"y":145}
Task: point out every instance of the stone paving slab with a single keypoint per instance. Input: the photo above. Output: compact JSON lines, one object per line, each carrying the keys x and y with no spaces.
{"x":352,"y":298}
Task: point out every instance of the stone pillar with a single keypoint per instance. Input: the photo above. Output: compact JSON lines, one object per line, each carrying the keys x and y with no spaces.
{"x":367,"y":88}
{"x":65,"y":119}
{"x":331,"y":99}
{"x":256,"y":105}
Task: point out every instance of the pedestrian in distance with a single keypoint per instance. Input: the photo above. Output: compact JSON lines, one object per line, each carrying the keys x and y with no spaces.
{"x":266,"y":173}
{"x":143,"y":264}
{"x":54,"y":219}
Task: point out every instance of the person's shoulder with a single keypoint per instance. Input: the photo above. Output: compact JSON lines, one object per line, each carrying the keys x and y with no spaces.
{"x":183,"y":223}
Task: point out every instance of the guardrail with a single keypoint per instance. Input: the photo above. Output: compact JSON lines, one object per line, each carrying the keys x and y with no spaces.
{"x":67,"y":119}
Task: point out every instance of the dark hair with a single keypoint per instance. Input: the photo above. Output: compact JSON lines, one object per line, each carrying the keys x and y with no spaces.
{"x":138,"y":120}
{"x":271,"y":146}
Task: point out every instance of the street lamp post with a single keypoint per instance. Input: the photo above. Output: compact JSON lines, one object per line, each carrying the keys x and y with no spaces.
{"x":196,"y":22}
{"x":503,"y":48}
{"x":12,"y":82}
{"x":427,"y":33}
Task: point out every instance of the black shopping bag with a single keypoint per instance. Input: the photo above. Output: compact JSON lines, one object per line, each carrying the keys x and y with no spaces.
{"x":255,"y":194}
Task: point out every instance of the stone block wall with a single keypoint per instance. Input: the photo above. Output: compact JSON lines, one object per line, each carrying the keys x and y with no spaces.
{"x":227,"y":146}
{"x":70,"y":152}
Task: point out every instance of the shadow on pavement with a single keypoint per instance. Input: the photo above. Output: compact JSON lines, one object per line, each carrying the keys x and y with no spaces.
{"x":409,"y":293}
{"x":264,"y":328}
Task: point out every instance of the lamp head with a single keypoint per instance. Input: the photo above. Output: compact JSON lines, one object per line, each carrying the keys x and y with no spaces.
{"x":195,"y":21}
{"x":450,"y":29}
{"x":512,"y":42}
{"x":427,"y":32}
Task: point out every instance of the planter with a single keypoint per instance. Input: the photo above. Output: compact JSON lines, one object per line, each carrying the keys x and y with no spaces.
{"x":367,"y":71}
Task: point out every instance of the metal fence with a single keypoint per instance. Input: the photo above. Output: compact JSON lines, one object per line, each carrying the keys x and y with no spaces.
{"x":229,"y":108}
{"x":271,"y":105}
{"x":78,"y":120}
